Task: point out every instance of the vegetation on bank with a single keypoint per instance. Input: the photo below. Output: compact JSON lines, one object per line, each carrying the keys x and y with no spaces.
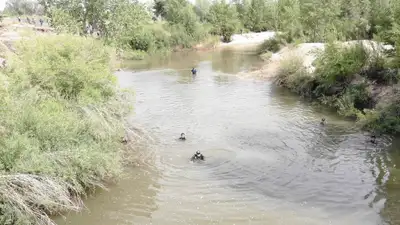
{"x":172,"y":24}
{"x":350,"y":78}
{"x":61,"y":126}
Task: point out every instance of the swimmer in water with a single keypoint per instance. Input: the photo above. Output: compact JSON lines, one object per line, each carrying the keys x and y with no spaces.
{"x":373,"y":139}
{"x":323,"y":121}
{"x":194,"y":71}
{"x":197,"y":156}
{"x":182,"y":137}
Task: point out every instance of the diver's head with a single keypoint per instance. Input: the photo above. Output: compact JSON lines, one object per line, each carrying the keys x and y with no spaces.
{"x":182,"y":134}
{"x":323,"y":119}
{"x":197,"y":152}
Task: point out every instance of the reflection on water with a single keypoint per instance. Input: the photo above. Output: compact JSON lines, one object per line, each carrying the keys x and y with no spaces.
{"x":268,"y":160}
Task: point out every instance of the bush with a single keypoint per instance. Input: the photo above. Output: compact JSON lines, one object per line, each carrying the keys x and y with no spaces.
{"x":292,"y":74}
{"x":61,"y":122}
{"x":353,"y":101}
{"x":70,"y":66}
{"x":345,"y":106}
{"x":386,"y":120}
{"x":270,"y":45}
{"x":142,"y":40}
{"x":179,"y":36}
{"x":273,"y":44}
{"x":337,"y":66}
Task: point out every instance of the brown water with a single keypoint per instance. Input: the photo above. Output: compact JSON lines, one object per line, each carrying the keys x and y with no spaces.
{"x":268,"y":160}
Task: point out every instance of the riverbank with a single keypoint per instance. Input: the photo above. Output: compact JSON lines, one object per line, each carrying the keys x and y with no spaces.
{"x":357,"y":78}
{"x":62,"y":123}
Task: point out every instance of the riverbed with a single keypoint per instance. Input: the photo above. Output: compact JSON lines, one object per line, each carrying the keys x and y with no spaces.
{"x":268,"y":159}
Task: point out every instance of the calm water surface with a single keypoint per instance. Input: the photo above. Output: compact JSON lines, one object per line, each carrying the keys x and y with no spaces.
{"x":268,"y":159}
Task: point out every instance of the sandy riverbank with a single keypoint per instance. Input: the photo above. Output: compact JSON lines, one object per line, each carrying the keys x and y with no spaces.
{"x":247,"y":40}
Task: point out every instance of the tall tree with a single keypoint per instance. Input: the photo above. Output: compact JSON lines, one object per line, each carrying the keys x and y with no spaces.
{"x":224,"y":18}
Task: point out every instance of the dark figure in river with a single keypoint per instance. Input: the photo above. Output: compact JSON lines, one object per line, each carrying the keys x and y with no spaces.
{"x":28,"y":20}
{"x":373,"y":139}
{"x":41,"y":22}
{"x":197,"y":156}
{"x":19,"y":19}
{"x":323,"y":121}
{"x":194,"y":71}
{"x":182,"y":137}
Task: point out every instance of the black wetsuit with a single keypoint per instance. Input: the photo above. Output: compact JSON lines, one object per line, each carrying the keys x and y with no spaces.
{"x":197,"y":157}
{"x":373,"y":139}
{"x":182,"y":138}
{"x":194,"y":71}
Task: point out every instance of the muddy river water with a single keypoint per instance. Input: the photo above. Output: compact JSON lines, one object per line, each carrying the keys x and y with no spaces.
{"x":268,"y":160}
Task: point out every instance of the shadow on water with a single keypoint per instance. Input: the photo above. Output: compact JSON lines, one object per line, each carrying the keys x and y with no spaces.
{"x":268,"y":159}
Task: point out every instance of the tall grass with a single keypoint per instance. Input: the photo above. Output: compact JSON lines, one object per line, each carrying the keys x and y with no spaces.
{"x":61,"y":125}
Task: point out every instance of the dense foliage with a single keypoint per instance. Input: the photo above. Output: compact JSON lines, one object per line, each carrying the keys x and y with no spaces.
{"x":171,"y":23}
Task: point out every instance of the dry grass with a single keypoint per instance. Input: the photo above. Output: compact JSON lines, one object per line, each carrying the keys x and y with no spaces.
{"x":29,"y":197}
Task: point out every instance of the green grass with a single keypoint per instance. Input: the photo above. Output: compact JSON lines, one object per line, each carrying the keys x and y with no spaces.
{"x":61,"y":125}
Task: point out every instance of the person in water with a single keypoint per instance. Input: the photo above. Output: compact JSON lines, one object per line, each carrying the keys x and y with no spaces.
{"x":373,"y":139}
{"x":323,"y":121}
{"x":182,"y":137}
{"x":194,"y":71}
{"x":197,"y":156}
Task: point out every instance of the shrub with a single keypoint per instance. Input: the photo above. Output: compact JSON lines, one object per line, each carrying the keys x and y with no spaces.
{"x":337,"y":66}
{"x":273,"y":44}
{"x":292,"y":74}
{"x":70,"y":66}
{"x":353,"y":101}
{"x":142,"y":40}
{"x":179,"y":36}
{"x":386,"y":120}
{"x":270,"y":45}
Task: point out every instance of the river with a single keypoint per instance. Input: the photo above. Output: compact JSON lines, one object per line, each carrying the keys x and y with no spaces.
{"x":268,"y":160}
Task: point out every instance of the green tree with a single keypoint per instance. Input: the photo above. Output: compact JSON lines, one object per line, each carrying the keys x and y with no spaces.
{"x":159,"y":8}
{"x":123,"y":20}
{"x":224,"y":19}
{"x":256,"y":16}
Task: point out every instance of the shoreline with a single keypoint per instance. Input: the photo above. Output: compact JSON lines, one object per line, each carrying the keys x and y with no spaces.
{"x":298,"y":68}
